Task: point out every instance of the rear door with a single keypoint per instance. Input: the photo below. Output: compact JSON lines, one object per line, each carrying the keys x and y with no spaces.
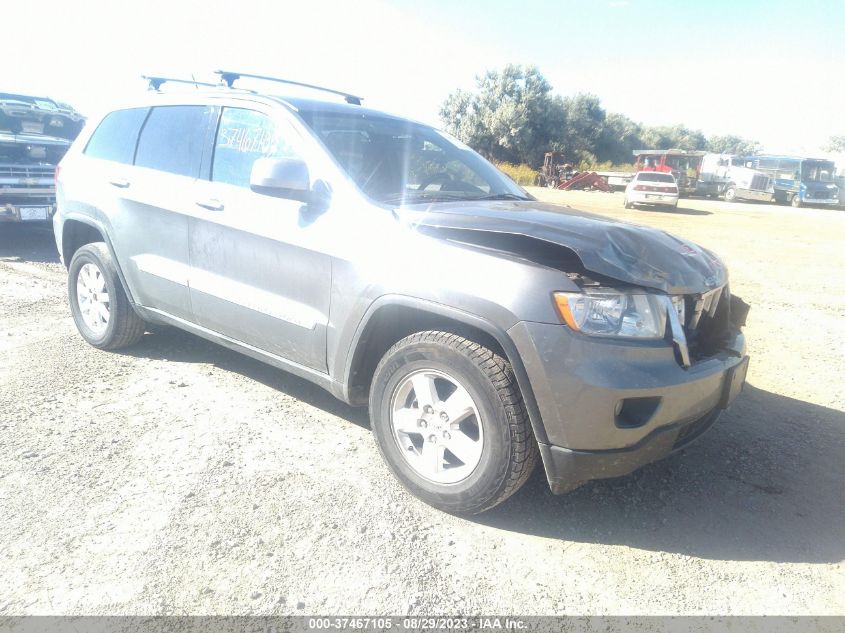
{"x":258,"y":275}
{"x":158,"y":195}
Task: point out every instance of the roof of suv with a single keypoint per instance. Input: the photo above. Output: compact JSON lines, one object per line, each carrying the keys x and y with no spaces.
{"x":297,"y":103}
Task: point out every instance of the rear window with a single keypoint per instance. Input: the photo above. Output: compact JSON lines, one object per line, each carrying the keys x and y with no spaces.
{"x":116,"y":136}
{"x":654,"y":176}
{"x":172,"y":139}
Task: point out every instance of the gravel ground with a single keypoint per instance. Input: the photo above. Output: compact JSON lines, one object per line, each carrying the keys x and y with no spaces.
{"x":181,"y":478}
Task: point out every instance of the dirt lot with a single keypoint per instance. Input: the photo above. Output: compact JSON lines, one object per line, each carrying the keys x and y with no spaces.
{"x":179,"y":477}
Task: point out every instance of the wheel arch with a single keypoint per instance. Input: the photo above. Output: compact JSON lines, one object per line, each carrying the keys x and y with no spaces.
{"x":391,"y":318}
{"x":77,"y":232}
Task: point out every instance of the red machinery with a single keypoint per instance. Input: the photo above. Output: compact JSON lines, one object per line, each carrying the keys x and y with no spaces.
{"x":556,"y":173}
{"x":585,"y":180}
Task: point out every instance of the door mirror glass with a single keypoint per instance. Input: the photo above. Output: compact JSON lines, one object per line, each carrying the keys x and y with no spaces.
{"x":282,"y":178}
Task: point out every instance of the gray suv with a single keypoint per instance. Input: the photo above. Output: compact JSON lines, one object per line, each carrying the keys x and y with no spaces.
{"x":395,"y":267}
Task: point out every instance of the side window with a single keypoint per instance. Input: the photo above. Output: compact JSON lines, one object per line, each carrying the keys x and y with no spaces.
{"x":789,"y":170}
{"x":243,"y":137}
{"x":172,"y":139}
{"x":116,"y":136}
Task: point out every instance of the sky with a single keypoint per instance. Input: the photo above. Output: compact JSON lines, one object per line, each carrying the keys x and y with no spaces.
{"x":770,"y":71}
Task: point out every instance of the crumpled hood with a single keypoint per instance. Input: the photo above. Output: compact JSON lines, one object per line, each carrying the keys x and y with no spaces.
{"x":612,"y":248}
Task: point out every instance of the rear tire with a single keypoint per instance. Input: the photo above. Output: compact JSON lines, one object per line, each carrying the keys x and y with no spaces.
{"x":628,"y":205}
{"x":413,"y":418}
{"x":101,"y":311}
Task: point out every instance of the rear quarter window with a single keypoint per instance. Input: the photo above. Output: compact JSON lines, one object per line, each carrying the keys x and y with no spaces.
{"x":172,"y":139}
{"x":116,"y":136}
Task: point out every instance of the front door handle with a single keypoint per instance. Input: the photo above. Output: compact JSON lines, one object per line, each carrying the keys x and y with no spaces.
{"x":119,"y":182}
{"x":211,"y":204}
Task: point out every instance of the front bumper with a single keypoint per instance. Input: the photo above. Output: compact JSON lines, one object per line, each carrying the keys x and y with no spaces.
{"x":34,"y":212}
{"x":753,"y":194}
{"x":609,"y":407}
{"x":809,"y":200}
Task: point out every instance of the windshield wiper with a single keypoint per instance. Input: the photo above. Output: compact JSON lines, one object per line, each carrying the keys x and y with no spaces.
{"x":501,"y":196}
{"x":417,"y":197}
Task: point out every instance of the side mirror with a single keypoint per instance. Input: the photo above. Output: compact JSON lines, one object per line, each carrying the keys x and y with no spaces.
{"x":282,"y":178}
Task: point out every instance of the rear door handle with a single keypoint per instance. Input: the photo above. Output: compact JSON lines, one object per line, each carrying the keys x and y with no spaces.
{"x":211,"y":204}
{"x":119,"y":182}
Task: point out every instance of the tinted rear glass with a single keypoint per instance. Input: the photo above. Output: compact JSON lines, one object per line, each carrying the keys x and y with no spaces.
{"x":656,"y":177}
{"x":172,"y":139}
{"x":115,"y":137}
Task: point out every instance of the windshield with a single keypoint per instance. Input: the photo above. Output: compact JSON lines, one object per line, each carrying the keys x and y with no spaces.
{"x":396,"y":161}
{"x":655,"y":176}
{"x":818,"y":172}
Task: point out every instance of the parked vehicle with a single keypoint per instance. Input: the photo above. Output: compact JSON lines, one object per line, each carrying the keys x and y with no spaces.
{"x":799,"y":181}
{"x":651,"y":187}
{"x":392,"y":265}
{"x":683,"y":165}
{"x":35,"y":132}
{"x":727,"y":175}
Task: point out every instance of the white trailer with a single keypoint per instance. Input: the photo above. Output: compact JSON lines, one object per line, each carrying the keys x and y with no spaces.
{"x":617,"y":180}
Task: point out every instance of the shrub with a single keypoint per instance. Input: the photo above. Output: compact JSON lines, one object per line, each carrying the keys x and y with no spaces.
{"x":605,"y":166}
{"x":520,"y":174}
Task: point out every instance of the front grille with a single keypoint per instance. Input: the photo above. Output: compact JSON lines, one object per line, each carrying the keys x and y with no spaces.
{"x":27,"y":171}
{"x":818,"y":195}
{"x":707,"y":316}
{"x":760,"y":182}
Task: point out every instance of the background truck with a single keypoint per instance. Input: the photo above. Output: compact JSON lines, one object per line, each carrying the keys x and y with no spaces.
{"x":728,"y":176}
{"x":35,"y":132}
{"x":799,"y":181}
{"x":684,"y":165}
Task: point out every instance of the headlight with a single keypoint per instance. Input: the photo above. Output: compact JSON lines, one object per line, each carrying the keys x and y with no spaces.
{"x":612,"y":313}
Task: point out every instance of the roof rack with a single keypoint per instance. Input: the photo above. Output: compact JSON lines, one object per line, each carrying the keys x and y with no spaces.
{"x":230,"y":77}
{"x":155,"y":82}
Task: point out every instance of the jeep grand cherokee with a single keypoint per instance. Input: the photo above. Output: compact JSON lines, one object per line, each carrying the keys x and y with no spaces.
{"x":395,"y":267}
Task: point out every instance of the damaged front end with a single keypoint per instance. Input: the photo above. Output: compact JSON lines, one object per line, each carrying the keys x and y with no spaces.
{"x":682,"y":287}
{"x":706,"y":324}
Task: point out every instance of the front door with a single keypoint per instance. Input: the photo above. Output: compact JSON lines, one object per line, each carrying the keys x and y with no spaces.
{"x":257,"y":274}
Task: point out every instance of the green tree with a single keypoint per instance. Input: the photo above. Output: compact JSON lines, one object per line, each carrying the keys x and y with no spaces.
{"x":583,"y":124}
{"x":512,"y":116}
{"x":673,"y":137}
{"x":836,"y":144}
{"x":619,"y":138}
{"x":731,"y":144}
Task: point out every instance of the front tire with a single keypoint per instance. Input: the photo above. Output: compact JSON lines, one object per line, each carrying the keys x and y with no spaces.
{"x":730,"y":194}
{"x":450,"y":422}
{"x":100,"y":308}
{"x":796,"y":201}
